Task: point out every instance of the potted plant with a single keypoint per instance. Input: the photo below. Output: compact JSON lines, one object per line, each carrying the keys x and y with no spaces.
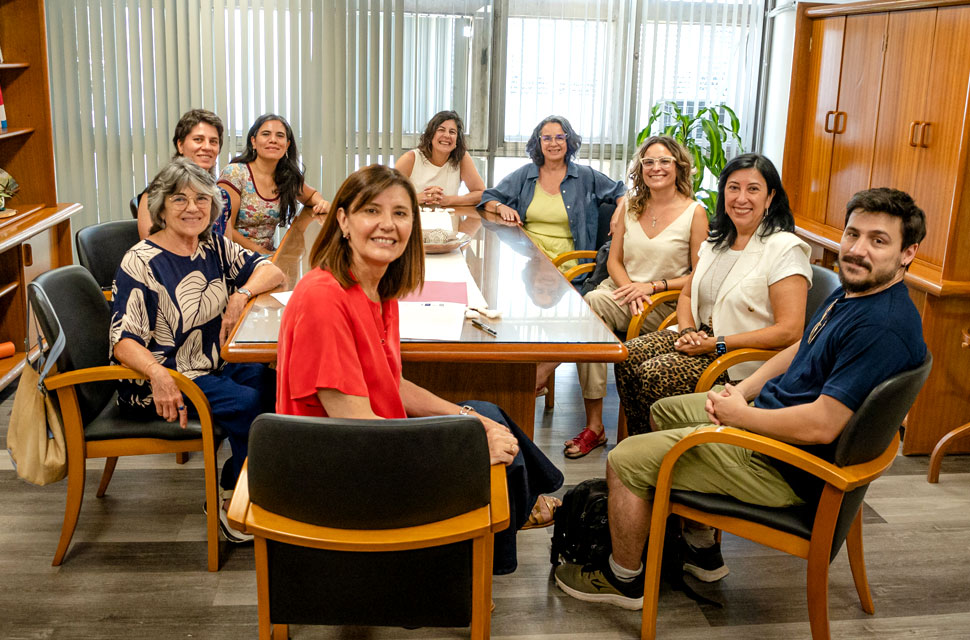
{"x":703,"y":134}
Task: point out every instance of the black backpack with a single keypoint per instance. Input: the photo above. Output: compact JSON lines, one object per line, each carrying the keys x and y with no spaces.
{"x":582,"y":531}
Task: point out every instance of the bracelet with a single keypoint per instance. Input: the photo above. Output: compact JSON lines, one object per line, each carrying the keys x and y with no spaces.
{"x":687,"y":330}
{"x":665,"y":284}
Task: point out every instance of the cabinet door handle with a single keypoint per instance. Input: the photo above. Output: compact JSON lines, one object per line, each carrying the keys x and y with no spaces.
{"x":28,"y":255}
{"x":923,"y":128}
{"x":828,"y":127}
{"x":840,"y":119}
{"x":912,"y":133}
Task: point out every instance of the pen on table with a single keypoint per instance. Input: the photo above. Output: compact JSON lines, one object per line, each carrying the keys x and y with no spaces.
{"x":484,"y":327}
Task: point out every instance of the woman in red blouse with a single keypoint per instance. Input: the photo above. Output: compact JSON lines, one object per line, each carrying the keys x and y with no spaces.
{"x":339,"y":345}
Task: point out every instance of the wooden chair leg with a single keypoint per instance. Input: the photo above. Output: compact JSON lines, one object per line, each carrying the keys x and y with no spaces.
{"x":109,"y":469}
{"x":72,"y":508}
{"x":936,"y":459}
{"x":181,"y":457}
{"x":213,"y":505}
{"x":481,"y":588}
{"x":621,"y":432}
{"x":857,"y":563}
{"x":281,"y":632}
{"x":651,"y":574}
{"x":262,"y":589}
{"x":818,"y":595}
{"x":551,"y":393}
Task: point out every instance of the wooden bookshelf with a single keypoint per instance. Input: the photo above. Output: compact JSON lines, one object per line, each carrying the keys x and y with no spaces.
{"x":38,"y":237}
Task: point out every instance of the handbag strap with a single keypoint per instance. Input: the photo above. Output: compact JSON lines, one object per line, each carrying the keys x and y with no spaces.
{"x":45,"y":362}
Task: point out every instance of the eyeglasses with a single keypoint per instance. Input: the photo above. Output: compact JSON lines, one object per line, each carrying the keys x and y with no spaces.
{"x":817,"y":329}
{"x":664,"y":162}
{"x":180,"y":202}
{"x":559,"y":137}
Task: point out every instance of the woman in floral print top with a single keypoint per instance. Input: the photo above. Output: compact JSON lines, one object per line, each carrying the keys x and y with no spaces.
{"x":265,"y":183}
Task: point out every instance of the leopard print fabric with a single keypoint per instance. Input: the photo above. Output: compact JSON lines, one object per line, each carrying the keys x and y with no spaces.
{"x":653,"y":370}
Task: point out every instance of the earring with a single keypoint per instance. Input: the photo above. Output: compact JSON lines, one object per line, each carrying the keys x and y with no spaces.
{"x":346,"y":236}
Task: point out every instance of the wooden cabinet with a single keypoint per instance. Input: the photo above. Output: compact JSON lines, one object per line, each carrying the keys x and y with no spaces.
{"x":38,"y":238}
{"x":879,"y":98}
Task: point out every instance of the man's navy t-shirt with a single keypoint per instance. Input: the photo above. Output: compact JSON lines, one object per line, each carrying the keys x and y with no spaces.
{"x":864,"y":341}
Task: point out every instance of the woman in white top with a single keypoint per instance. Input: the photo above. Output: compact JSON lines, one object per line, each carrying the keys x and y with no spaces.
{"x":441,"y":163}
{"x":659,"y":227}
{"x":748,"y":290}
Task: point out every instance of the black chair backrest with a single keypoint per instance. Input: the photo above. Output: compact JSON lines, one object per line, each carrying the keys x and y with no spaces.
{"x":872,"y":427}
{"x":133,"y":205}
{"x":100,"y":248}
{"x":824,"y":282}
{"x":869,"y":431}
{"x":68,"y":300}
{"x":368,"y":474}
{"x":603,"y":223}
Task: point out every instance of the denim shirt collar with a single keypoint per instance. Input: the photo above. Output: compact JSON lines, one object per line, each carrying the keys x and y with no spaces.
{"x":572,"y":171}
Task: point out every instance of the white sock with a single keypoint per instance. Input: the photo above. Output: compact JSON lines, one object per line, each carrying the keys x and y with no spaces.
{"x":623,"y":574}
{"x":698,"y":536}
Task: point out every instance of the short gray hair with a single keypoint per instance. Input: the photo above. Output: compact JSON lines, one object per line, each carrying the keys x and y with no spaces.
{"x":176,"y":175}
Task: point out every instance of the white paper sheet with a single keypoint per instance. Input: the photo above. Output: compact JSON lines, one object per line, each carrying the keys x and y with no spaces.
{"x":431,"y":320}
{"x":283,"y":297}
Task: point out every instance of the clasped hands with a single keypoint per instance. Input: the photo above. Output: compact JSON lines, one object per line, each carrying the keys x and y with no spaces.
{"x":726,"y":407}
{"x":695,"y":343}
{"x":634,"y":295}
{"x":431,"y":196}
{"x":502,"y":445}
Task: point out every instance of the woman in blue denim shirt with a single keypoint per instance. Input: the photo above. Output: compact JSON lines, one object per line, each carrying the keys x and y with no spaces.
{"x":562,"y":214}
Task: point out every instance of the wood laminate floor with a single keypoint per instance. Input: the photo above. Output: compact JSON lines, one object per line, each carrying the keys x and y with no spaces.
{"x":136,"y":568}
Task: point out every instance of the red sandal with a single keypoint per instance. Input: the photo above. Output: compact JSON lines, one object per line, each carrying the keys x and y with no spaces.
{"x":586,"y":441}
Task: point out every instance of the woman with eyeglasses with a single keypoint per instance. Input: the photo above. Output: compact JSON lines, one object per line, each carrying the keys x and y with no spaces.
{"x":554,"y":199}
{"x":659,"y":230}
{"x":441,"y":163}
{"x":265,"y":183}
{"x":749,"y":289}
{"x":176,"y":296}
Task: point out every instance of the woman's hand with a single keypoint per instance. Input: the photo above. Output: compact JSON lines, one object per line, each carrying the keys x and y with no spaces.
{"x":509,"y":215}
{"x":502,"y":445}
{"x":321,"y":208}
{"x":633,"y":295}
{"x":431,"y":196}
{"x":230,"y":317}
{"x":169,"y":403}
{"x":695,"y":343}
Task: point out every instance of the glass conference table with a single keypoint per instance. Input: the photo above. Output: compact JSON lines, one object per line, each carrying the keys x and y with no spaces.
{"x":543,"y":318}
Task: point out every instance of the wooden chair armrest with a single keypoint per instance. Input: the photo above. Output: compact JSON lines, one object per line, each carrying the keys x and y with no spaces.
{"x":500,"y":498}
{"x":117,"y":372}
{"x":240,"y":503}
{"x":566,"y":256}
{"x":636,"y":323}
{"x":843,"y":478}
{"x":669,"y":320}
{"x":728,"y":360}
{"x":579,"y":269}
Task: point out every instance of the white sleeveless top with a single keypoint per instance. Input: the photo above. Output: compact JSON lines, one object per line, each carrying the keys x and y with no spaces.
{"x":666,"y":255}
{"x":425,"y":174}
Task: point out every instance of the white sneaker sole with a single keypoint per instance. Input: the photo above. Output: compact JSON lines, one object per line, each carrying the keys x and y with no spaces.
{"x":615,"y":599}
{"x":706,"y":575}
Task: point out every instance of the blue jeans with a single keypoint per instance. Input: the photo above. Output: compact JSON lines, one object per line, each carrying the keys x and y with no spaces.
{"x":237,"y":394}
{"x":530,"y":475}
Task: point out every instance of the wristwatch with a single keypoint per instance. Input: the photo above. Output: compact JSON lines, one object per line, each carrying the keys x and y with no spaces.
{"x":245,"y":292}
{"x":721,"y":347}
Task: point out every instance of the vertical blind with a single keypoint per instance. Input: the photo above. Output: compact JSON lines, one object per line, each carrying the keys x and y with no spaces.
{"x":358,"y":79}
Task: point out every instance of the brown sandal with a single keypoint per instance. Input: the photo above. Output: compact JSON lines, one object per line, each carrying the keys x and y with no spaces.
{"x":543,"y":513}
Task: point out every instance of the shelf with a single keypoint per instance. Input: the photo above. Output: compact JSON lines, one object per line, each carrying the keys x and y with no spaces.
{"x":14,"y":65}
{"x":7,"y":289}
{"x":15,"y":132}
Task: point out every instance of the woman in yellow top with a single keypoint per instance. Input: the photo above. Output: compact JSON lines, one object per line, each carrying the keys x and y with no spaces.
{"x":555,"y":199}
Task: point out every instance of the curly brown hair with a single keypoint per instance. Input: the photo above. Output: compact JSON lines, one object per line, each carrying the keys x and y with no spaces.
{"x":454,"y":158}
{"x":639,"y":194}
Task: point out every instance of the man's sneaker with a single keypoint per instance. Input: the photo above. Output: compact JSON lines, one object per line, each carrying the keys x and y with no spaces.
{"x":704,"y":563}
{"x":232,"y":535}
{"x":600,"y":585}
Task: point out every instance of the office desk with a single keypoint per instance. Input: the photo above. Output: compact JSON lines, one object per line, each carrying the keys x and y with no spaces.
{"x":543,"y":319}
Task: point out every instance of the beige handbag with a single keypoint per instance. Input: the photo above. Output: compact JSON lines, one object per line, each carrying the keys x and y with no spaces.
{"x":35,"y":438}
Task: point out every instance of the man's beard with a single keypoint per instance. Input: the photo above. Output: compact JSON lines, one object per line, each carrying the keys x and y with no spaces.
{"x":873,"y":281}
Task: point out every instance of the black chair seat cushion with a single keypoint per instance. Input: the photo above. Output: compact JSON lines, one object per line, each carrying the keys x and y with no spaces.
{"x":795,"y":520}
{"x":113,"y":424}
